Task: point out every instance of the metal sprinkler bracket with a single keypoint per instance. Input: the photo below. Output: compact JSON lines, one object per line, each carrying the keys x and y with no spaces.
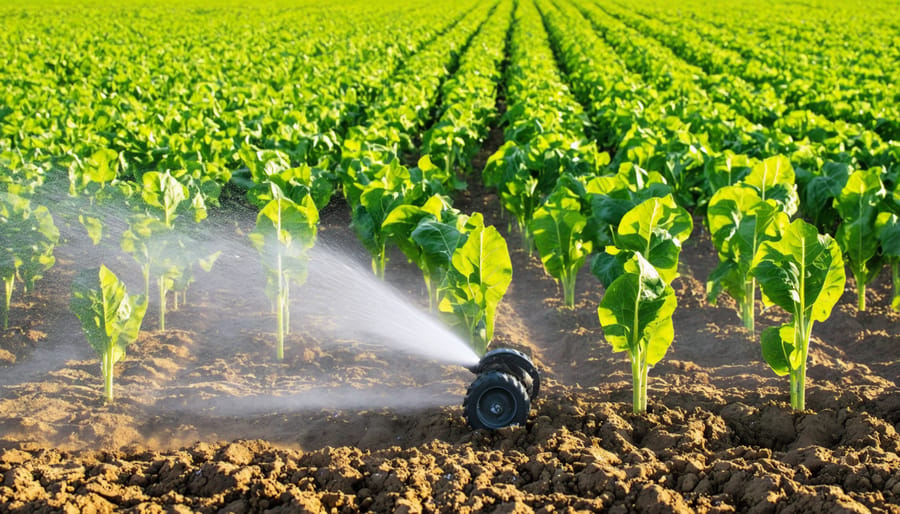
{"x":506,"y":383}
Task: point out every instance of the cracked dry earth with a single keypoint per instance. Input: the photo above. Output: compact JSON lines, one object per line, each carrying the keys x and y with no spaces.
{"x":206,"y":420}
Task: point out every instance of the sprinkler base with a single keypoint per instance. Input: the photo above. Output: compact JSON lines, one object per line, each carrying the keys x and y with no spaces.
{"x":506,"y":383}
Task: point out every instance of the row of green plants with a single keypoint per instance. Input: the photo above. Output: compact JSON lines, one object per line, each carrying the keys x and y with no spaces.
{"x":682,"y":140}
{"x":788,"y":118}
{"x":544,"y":143}
{"x":465,"y":264}
{"x":768,"y":193}
{"x":816,"y":71}
{"x":820,"y":186}
{"x":165,"y":207}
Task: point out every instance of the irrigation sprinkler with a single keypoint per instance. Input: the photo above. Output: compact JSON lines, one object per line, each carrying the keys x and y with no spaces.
{"x":506,"y":382}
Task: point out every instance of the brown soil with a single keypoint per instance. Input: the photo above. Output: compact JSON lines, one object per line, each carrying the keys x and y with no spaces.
{"x":206,"y":420}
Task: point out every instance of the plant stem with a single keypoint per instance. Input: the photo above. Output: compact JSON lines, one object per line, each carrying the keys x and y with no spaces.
{"x":568,"y":285}
{"x":432,"y":293}
{"x":639,"y":386}
{"x":9,"y":285}
{"x":108,"y":376}
{"x":279,"y":312}
{"x":378,"y":262}
{"x":161,"y":284}
{"x":287,"y":307}
{"x":798,"y":388}
{"x":645,"y":369}
{"x":748,"y":311}
{"x":279,"y":315}
{"x":477,"y":343}
{"x":527,"y":240}
{"x":895,"y":277}
{"x":145,"y":271}
{"x":860,"y":291}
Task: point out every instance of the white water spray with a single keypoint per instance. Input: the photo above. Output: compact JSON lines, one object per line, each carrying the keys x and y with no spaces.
{"x":364,"y":307}
{"x":341,"y":303}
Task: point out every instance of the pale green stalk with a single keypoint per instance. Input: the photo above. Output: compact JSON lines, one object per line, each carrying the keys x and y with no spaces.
{"x":9,"y":285}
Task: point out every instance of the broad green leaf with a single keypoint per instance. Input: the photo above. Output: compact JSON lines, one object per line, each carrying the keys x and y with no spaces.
{"x":438,"y":242}
{"x":165,"y":194}
{"x":101,"y":167}
{"x":93,"y":226}
{"x":774,"y":179}
{"x":636,"y":313}
{"x":480,"y":273}
{"x":777,"y":347}
{"x":821,"y":190}
{"x":887,"y":227}
{"x":803,"y":272}
{"x":655,"y":228}
{"x":110,"y":317}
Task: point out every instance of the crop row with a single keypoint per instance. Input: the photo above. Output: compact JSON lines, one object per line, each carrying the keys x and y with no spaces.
{"x":616,"y":128}
{"x":810,"y":65}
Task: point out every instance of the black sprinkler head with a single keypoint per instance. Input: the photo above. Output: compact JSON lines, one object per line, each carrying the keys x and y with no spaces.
{"x":502,"y":392}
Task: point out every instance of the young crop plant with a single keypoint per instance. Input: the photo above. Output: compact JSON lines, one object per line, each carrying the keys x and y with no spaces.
{"x":858,"y":206}
{"x":803,"y":273}
{"x":479,"y":274}
{"x":110,"y":318}
{"x":636,"y":315}
{"x":739,"y":222}
{"x":740,"y":218}
{"x":559,"y":233}
{"x":428,"y":236}
{"x":274,"y":167}
{"x":26,"y":247}
{"x":636,"y":309}
{"x":285,"y":232}
{"x":373,"y":196}
{"x":153,"y":239}
{"x":888,"y":228}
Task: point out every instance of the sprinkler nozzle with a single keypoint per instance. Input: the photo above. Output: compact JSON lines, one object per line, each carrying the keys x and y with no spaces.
{"x":506,"y":383}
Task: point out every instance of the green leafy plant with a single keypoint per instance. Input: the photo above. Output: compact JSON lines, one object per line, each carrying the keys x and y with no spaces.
{"x":803,"y":273}
{"x":888,"y":228}
{"x":636,"y":309}
{"x":26,"y":247}
{"x":636,"y":315}
{"x":656,"y":228}
{"x":739,"y":222}
{"x":149,"y":241}
{"x":479,"y":274}
{"x":428,"y":236}
{"x":857,"y":205}
{"x":285,"y":232}
{"x":154,"y":240}
{"x":110,"y":318}
{"x":558,"y":231}
{"x":373,"y":197}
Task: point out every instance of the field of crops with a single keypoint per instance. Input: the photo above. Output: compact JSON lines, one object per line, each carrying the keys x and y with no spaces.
{"x":687,"y":214}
